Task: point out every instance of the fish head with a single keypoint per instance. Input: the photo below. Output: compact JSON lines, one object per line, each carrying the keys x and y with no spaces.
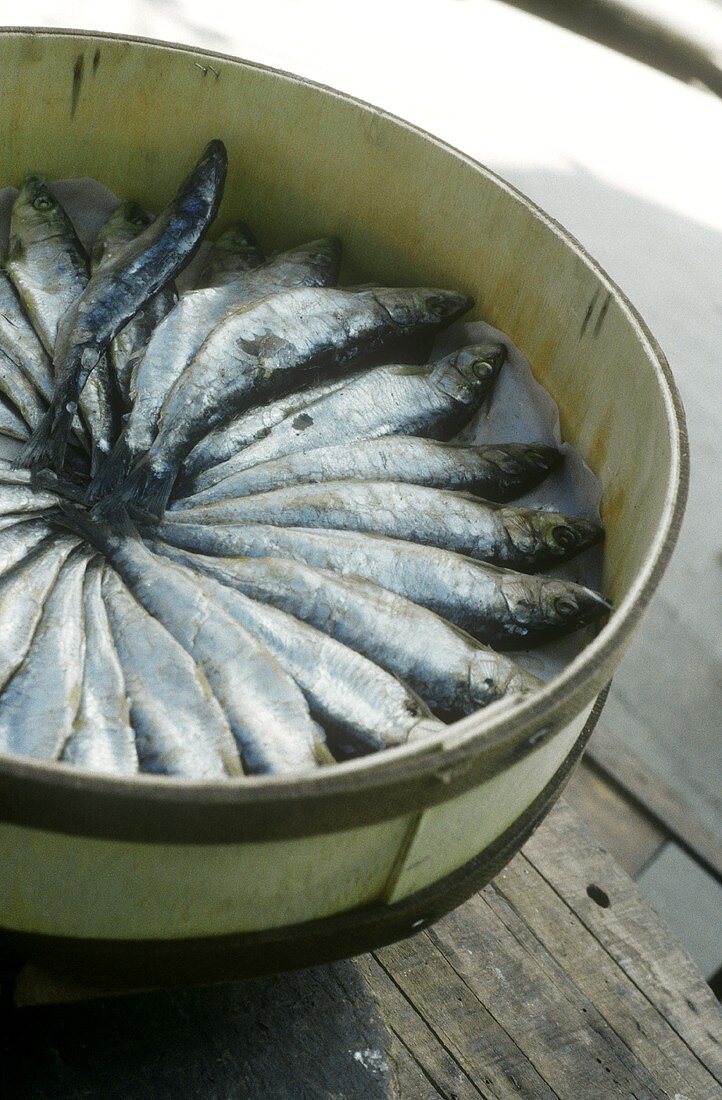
{"x":537,"y":457}
{"x":540,"y":539}
{"x":36,"y":213}
{"x":125,"y":224}
{"x":322,"y":258}
{"x":414,"y":309}
{"x":492,"y":678}
{"x":467,"y":374}
{"x":544,"y":606}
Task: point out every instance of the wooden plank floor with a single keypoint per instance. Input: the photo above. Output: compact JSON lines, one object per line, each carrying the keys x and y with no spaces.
{"x":553,"y":983}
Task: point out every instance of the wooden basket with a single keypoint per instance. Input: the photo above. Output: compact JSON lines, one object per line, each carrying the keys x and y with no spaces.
{"x":157,"y":880}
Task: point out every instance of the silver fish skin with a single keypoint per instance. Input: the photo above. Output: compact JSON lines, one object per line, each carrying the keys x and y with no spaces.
{"x":496,"y":472}
{"x":118,"y":290}
{"x":12,"y":424}
{"x":181,"y":335}
{"x":39,"y":704}
{"x":266,"y":711}
{"x":24,"y":589}
{"x":179,"y":726}
{"x":15,"y":497}
{"x":450,"y":670}
{"x":19,"y":536}
{"x":227,"y":440}
{"x":518,"y":538}
{"x":230,"y":256}
{"x":434,"y":399}
{"x":102,"y":739}
{"x":360,"y":705}
{"x":19,"y":391}
{"x":270,"y":347}
{"x":499,"y":607}
{"x":20,"y":342}
{"x":122,"y":227}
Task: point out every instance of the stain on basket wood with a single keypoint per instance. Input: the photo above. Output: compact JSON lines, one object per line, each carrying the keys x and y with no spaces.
{"x":96,"y":60}
{"x":602,"y":314}
{"x":77,"y":84}
{"x":588,"y":314}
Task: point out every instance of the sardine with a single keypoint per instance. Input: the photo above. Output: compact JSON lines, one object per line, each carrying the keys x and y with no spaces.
{"x":23,"y":592}
{"x":181,"y":335}
{"x":123,"y":226}
{"x":39,"y":704}
{"x":435,"y":399}
{"x":267,"y":713}
{"x":500,"y":607}
{"x":20,"y":342}
{"x":19,"y":536}
{"x":179,"y":726}
{"x":360,"y":705}
{"x":496,"y":472}
{"x":233,"y":254}
{"x":519,"y":538}
{"x":102,"y":737}
{"x":19,"y":391}
{"x":450,"y":670}
{"x":270,"y":347}
{"x":12,"y":424}
{"x":119,"y":290}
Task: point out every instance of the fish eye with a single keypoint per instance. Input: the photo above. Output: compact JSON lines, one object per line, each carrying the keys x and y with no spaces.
{"x":566,"y":537}
{"x":565,"y":607}
{"x":43,"y":202}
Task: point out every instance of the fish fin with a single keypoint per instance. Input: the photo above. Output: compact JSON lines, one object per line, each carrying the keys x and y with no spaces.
{"x":46,"y":446}
{"x":113,"y":472}
{"x":148,"y":489}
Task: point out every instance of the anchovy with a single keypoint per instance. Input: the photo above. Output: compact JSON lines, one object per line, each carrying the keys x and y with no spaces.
{"x":499,"y":607}
{"x":233,"y":254}
{"x":179,"y":726}
{"x":227,"y":440}
{"x":19,"y":341}
{"x":180,"y":336}
{"x":38,"y":705}
{"x":518,"y":538}
{"x":23,"y":592}
{"x":117,"y":291}
{"x":47,"y":265}
{"x":360,"y":705}
{"x":271,"y":346}
{"x":497,"y":472}
{"x":266,"y":711}
{"x":123,"y":226}
{"x":102,"y":737}
{"x":435,"y":399}
{"x":450,"y":670}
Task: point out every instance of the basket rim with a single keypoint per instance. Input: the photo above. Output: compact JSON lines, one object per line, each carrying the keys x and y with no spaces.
{"x":155,"y":809}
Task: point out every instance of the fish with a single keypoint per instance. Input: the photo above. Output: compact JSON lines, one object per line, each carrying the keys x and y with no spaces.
{"x":499,"y":607}
{"x":19,"y":536}
{"x":38,"y":705}
{"x":102,"y":738}
{"x":16,"y":497}
{"x":20,"y":392}
{"x":179,"y":726}
{"x":49,"y":268}
{"x":12,"y":424}
{"x":496,"y":472}
{"x":19,"y":341}
{"x":225,"y":441}
{"x":360,"y":705}
{"x":182,"y":333}
{"x":434,"y":399}
{"x":118,"y":290}
{"x":122,"y":227}
{"x":526,"y":539}
{"x":267,"y":713}
{"x":231,"y":255}
{"x":270,"y":346}
{"x":450,"y":670}
{"x":24,"y":589}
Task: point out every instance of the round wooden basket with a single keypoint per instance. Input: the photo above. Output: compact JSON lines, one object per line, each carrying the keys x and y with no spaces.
{"x":158,"y":880}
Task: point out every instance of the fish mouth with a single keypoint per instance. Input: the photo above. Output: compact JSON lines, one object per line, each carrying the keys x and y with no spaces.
{"x":572,"y":536}
{"x":542,"y":457}
{"x":448,"y":305}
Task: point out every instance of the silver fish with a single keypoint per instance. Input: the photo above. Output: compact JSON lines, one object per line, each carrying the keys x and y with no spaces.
{"x":233,"y":254}
{"x":38,"y":705}
{"x":499,"y":607}
{"x":182,"y":333}
{"x":16,"y":497}
{"x":360,"y":705}
{"x":19,"y":536}
{"x":117,"y":291}
{"x":497,"y":472}
{"x":12,"y":424}
{"x":20,"y":342}
{"x":434,"y":399}
{"x":179,"y":726}
{"x":122,"y":227}
{"x":450,"y":670}
{"x":269,"y":347}
{"x":266,"y":711}
{"x":23,"y":592}
{"x":519,"y":538}
{"x":102,"y":737}
{"x":19,"y":391}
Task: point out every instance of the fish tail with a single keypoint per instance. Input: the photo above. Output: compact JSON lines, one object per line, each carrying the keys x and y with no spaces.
{"x":46,"y":446}
{"x":113,"y":471}
{"x":148,"y":488}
